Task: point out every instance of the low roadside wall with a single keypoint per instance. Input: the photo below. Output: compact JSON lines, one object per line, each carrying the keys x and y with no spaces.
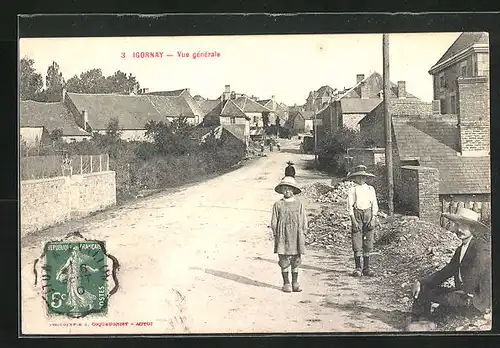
{"x":46,"y":202}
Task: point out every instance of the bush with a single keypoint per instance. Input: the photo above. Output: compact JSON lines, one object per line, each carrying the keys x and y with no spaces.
{"x":333,"y":149}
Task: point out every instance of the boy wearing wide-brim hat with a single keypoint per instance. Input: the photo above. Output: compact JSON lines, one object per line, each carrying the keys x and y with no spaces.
{"x":289,"y":224}
{"x":362,"y":206}
{"x":470,"y":267}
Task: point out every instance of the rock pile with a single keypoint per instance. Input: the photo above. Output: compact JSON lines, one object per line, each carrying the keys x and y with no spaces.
{"x":315,"y":190}
{"x":411,"y":248}
{"x":338,"y":194}
{"x":328,"y":230}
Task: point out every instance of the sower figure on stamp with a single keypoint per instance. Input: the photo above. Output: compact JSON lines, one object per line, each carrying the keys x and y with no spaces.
{"x":289,"y":224}
{"x":362,"y":206}
{"x":470,"y":267}
{"x":290,"y":170}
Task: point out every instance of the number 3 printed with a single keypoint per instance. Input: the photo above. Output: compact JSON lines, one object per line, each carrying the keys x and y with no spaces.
{"x":123,"y":54}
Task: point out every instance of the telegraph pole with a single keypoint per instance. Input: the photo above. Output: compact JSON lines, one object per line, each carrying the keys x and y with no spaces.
{"x":388,"y":125}
{"x":315,"y":131}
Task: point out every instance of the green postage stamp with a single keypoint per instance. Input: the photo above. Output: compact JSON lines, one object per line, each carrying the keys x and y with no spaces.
{"x":75,"y":277}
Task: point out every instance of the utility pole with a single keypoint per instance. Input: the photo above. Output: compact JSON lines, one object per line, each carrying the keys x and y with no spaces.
{"x":388,"y":125}
{"x":315,"y":131}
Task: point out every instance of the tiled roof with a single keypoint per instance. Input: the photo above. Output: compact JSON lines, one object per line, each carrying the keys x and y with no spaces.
{"x":171,"y":106}
{"x":232,"y":110}
{"x":434,"y":143}
{"x":308,"y":115}
{"x":175,"y":93}
{"x":465,"y":40}
{"x":324,"y":91}
{"x":208,"y":105}
{"x":238,"y":130}
{"x":359,"y":105}
{"x":131,"y":111}
{"x":375,"y":83}
{"x":52,"y":116}
{"x":248,"y":105}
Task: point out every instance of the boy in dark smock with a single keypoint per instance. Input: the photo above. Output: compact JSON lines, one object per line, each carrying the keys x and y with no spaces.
{"x":289,"y":223}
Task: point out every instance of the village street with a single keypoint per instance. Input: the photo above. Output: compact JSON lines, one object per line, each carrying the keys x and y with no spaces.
{"x":200,"y":260}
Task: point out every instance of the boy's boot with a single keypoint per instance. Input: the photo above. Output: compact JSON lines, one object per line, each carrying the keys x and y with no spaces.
{"x":286,"y":282}
{"x":366,"y":267}
{"x":295,"y":282}
{"x":357,"y":271}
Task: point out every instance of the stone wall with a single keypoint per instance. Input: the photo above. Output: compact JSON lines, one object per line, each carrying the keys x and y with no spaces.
{"x":47,"y":202}
{"x":474,"y":115}
{"x":366,"y":156}
{"x":419,"y":192}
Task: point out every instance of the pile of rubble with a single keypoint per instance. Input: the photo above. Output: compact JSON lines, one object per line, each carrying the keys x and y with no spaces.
{"x":410,"y":248}
{"x":316,"y":190}
{"x":328,"y":230}
{"x":338,"y":194}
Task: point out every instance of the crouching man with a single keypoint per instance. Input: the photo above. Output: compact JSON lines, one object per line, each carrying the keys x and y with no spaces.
{"x":470,"y":267}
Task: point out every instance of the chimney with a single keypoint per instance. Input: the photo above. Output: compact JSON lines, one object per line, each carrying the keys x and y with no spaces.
{"x":85,"y":119}
{"x":401,"y":89}
{"x":474,"y":115}
{"x":227,"y":93}
{"x":359,"y":78}
{"x":63,"y":95}
{"x":188,"y":90}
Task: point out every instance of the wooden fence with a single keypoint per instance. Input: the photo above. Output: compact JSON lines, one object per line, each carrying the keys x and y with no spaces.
{"x":41,"y":167}
{"x":481,"y":207}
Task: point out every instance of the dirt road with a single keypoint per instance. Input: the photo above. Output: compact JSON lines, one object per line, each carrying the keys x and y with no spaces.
{"x":200,"y":260}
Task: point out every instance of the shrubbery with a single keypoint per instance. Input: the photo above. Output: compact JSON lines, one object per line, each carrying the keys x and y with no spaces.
{"x":173,"y":157}
{"x":333,"y":149}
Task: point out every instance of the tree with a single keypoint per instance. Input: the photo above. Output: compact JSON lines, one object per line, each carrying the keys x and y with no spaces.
{"x":30,"y":82}
{"x":119,"y":82}
{"x":54,"y":82}
{"x":91,"y":81}
{"x":265,"y":119}
{"x":171,"y":138}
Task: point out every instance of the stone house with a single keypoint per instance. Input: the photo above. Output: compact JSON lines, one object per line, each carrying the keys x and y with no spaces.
{"x":468,"y":56}
{"x":316,"y":100}
{"x":278,"y":110}
{"x":301,"y":121}
{"x":231,"y":135}
{"x":361,"y":100}
{"x":226,"y":112}
{"x":94,"y":112}
{"x":190,"y":100}
{"x":440,"y":160}
{"x":37,"y":120}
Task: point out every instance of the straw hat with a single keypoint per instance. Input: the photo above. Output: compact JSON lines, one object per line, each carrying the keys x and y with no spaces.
{"x":466,"y":216}
{"x":288,"y":181}
{"x":290,"y":163}
{"x":360,"y":171}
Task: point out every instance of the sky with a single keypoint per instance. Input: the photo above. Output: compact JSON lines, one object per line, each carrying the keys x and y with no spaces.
{"x":286,"y":66}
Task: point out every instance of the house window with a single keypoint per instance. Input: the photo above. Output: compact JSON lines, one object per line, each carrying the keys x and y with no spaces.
{"x":463,"y":69}
{"x":255,"y":119}
{"x":442,"y":80}
{"x":233,"y":120}
{"x":453,"y":105}
{"x":72,"y":140}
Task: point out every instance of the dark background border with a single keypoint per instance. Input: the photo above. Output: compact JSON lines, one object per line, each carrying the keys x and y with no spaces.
{"x":171,"y":25}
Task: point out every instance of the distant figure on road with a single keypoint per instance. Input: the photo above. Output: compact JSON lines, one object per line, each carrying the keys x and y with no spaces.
{"x":290,"y":170}
{"x":289,"y":223}
{"x":278,"y":145}
{"x":470,"y":267}
{"x":262,"y":147}
{"x":363,"y":208}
